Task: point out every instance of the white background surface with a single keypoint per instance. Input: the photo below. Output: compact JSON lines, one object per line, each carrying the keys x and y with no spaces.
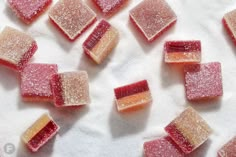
{"x":98,"y":130}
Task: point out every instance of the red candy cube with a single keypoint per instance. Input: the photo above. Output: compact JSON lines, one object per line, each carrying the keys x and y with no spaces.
{"x":72,"y":17}
{"x":229,"y":22}
{"x":29,"y":10}
{"x":152,"y":18}
{"x":182,"y":51}
{"x":35,"y":82}
{"x":16,"y":48}
{"x":203,"y":81}
{"x":109,"y":7}
{"x":229,"y":149}
{"x":188,"y":130}
{"x":70,"y":89}
{"x":40,"y":132}
{"x":133,"y":96}
{"x":101,"y":42}
{"x":163,"y":147}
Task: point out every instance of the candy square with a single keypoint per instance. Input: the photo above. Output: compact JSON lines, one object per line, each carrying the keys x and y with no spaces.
{"x":133,"y":96}
{"x":162,"y":147}
{"x":188,"y":130}
{"x":229,"y":149}
{"x":152,"y":18}
{"x":101,"y":41}
{"x":40,"y":132}
{"x":203,"y":81}
{"x":35,"y":82}
{"x":72,"y":17}
{"x":70,"y":89}
{"x":182,"y":51}
{"x":29,"y":10}
{"x":109,"y":7}
{"x":229,"y":22}
{"x":16,"y":48}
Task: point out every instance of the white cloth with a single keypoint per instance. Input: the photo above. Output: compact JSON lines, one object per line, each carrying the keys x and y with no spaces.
{"x":99,"y":130}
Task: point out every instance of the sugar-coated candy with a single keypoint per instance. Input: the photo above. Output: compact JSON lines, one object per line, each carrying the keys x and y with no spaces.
{"x":203,"y":81}
{"x":189,"y":130}
{"x":162,"y":147}
{"x":109,"y":7}
{"x":229,"y":149}
{"x":16,"y":48}
{"x":101,"y":41}
{"x":182,"y":51}
{"x":35,"y":82}
{"x":152,"y":18}
{"x":40,"y":132}
{"x":132,"y":96}
{"x":229,"y":22}
{"x":70,"y":89}
{"x":29,"y":10}
{"x":72,"y":17}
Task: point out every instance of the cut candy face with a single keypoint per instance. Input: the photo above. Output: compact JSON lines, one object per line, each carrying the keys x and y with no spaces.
{"x":188,"y":130}
{"x":133,"y":96}
{"x":70,"y":89}
{"x":40,"y":132}
{"x":152,"y":17}
{"x":35,"y":82}
{"x":101,"y":42}
{"x":16,"y":48}
{"x":72,"y":17}
{"x":229,"y":149}
{"x":29,"y":10}
{"x":163,"y":147}
{"x":229,"y":22}
{"x":109,"y":7}
{"x":182,"y":51}
{"x":203,"y":81}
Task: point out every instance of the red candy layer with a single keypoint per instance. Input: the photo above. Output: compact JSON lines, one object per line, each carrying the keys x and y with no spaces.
{"x":229,"y":149}
{"x":183,"y":46}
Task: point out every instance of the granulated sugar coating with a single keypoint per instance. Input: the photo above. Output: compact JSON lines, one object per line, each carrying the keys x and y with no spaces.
{"x":229,"y":22}
{"x":188,"y":130}
{"x":203,"y":81}
{"x":16,"y":48}
{"x":229,"y":149}
{"x":182,"y":51}
{"x":152,"y":17}
{"x":29,"y":10}
{"x":70,"y":89}
{"x":35,"y":82}
{"x":40,"y":132}
{"x":133,"y":96}
{"x":101,"y":41}
{"x":72,"y":17}
{"x":163,"y":147}
{"x":109,"y":7}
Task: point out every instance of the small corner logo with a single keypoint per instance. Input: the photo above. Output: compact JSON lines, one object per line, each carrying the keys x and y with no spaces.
{"x":9,"y":148}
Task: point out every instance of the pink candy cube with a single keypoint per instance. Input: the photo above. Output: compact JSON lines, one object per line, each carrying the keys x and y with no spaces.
{"x":16,"y":48}
{"x":182,"y":51}
{"x":152,"y":18}
{"x":229,"y":149}
{"x":109,"y":7}
{"x":72,"y":17}
{"x":101,"y":42}
{"x":188,"y":130}
{"x":35,"y":82}
{"x":70,"y":89}
{"x":229,"y":22}
{"x":40,"y":132}
{"x":133,"y":96}
{"x":163,"y":147}
{"x":29,"y":10}
{"x":203,"y":81}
